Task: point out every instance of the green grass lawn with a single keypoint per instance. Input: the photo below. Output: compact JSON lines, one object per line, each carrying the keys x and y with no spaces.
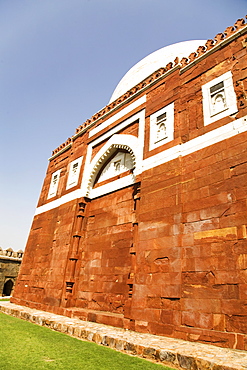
{"x":26,"y":346}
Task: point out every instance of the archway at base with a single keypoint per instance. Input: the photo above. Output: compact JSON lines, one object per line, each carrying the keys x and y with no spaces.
{"x":7,"y":288}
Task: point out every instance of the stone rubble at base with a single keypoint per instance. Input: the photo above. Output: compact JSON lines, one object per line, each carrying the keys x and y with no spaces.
{"x":168,"y":351}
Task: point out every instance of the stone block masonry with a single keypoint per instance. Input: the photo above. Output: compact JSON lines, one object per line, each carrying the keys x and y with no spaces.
{"x":142,"y":218}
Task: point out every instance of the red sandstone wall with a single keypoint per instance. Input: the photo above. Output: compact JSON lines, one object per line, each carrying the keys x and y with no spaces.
{"x":191,"y":261}
{"x":106,"y":260}
{"x":41,"y":277}
{"x":167,"y":255}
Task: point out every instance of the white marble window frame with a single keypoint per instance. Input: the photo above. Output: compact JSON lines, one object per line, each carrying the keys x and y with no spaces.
{"x":54,"y":186}
{"x":73,"y":179}
{"x":230,"y":96}
{"x":154,"y":142}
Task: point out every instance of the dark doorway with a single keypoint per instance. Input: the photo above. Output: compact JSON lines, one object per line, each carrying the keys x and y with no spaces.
{"x":7,"y":288}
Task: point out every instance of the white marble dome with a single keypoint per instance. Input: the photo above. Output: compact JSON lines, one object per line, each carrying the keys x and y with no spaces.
{"x":152,"y":62}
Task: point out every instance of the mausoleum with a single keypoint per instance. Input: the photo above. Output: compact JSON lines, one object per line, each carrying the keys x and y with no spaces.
{"x":142,"y":218}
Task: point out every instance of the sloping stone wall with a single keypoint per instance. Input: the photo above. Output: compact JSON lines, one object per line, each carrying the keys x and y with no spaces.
{"x":160,"y":246}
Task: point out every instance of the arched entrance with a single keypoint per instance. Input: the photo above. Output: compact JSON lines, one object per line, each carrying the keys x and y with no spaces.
{"x":104,"y":280}
{"x":7,"y":288}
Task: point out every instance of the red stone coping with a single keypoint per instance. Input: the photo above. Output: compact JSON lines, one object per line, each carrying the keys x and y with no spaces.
{"x":176,"y":353}
{"x":154,"y":77}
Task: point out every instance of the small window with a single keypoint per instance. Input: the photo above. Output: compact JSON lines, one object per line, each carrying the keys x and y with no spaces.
{"x":74,"y":171}
{"x":161,"y":126}
{"x":219,"y":98}
{"x":54,"y":184}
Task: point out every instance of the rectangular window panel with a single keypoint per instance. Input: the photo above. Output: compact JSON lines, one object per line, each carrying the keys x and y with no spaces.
{"x":74,"y":172}
{"x":54,"y":184}
{"x":161,"y":126}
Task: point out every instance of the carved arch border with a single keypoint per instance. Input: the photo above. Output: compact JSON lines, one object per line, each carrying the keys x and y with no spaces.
{"x":129,"y":143}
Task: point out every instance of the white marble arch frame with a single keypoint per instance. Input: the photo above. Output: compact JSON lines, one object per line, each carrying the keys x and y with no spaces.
{"x":129,"y":143}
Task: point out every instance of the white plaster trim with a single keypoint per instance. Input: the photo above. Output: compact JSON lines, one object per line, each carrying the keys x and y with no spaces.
{"x":58,"y":202}
{"x":162,"y":157}
{"x":118,"y":115}
{"x":112,"y":186}
{"x":10,"y":258}
{"x":215,"y":136}
{"x":225,"y":132}
{"x":138,"y":116}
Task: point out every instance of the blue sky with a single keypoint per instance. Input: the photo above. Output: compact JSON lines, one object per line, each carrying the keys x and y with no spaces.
{"x":60,"y":61}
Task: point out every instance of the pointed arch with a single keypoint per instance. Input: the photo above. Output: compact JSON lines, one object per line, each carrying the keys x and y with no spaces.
{"x":118,"y":142}
{"x":117,"y":165}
